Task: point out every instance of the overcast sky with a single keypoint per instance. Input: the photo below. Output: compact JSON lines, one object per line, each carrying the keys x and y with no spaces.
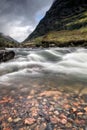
{"x":18,"y":18}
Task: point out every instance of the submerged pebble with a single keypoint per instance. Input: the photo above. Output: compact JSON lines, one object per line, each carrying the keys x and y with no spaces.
{"x":32,"y":113}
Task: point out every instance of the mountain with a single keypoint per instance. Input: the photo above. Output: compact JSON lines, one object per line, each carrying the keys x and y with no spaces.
{"x":64,"y":24}
{"x":7,"y":41}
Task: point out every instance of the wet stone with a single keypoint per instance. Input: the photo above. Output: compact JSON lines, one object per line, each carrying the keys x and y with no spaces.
{"x":51,"y":108}
{"x":10,"y":119}
{"x":32,"y":114}
{"x":41,"y":114}
{"x":43,"y":126}
{"x":56,"y":113}
{"x":44,"y":100}
{"x":85,"y":97}
{"x":29,"y":121}
{"x":71,"y":116}
{"x":49,"y":126}
{"x":54,"y":119}
{"x":47,"y":118}
{"x":63,"y":121}
{"x":68,"y":125}
{"x":17,"y":120}
{"x":40,"y":106}
{"x":52,"y":103}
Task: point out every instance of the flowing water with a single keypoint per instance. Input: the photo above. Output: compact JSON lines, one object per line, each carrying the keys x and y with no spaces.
{"x":54,"y":67}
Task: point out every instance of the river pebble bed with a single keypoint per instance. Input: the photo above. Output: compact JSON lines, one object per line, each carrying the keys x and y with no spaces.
{"x":43,"y":110}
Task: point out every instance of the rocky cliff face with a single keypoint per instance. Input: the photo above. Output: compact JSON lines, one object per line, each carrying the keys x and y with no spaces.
{"x":63,"y":15}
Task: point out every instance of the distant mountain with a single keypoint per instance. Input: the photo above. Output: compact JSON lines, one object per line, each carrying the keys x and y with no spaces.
{"x":64,"y":24}
{"x":7,"y":41}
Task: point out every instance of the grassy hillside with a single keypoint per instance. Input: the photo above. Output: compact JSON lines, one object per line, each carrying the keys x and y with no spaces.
{"x":66,"y":38}
{"x":74,"y":33}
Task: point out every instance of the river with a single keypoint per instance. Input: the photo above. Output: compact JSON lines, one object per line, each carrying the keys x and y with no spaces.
{"x":59,"y":67}
{"x":44,"y":89}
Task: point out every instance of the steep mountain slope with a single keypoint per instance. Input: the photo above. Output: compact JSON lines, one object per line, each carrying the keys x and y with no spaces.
{"x":7,"y":41}
{"x":64,"y":18}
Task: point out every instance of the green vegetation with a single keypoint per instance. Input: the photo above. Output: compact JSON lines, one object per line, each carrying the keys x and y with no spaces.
{"x":75,"y":31}
{"x":66,"y":36}
{"x":72,"y":32}
{"x":61,"y":38}
{"x":37,"y":42}
{"x":4,"y":42}
{"x":76,"y":22}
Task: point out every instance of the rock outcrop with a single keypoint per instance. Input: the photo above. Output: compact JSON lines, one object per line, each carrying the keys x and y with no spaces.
{"x":6,"y":55}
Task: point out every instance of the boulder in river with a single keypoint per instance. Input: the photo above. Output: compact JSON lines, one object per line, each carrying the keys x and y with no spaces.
{"x":6,"y":55}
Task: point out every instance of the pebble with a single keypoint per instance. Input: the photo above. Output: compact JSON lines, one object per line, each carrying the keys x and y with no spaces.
{"x":51,"y":108}
{"x":54,"y":119}
{"x":43,"y":126}
{"x":62,"y":116}
{"x":10,"y":119}
{"x":17,"y":120}
{"x":52,"y":103}
{"x":63,"y":121}
{"x":44,"y":103}
{"x":71,"y":116}
{"x":44,"y":100}
{"x":85,"y":109}
{"x":37,"y":127}
{"x":69,"y":125}
{"x":45,"y":113}
{"x":49,"y":126}
{"x":29,"y":121}
{"x":80,"y":113}
{"x":56,"y":113}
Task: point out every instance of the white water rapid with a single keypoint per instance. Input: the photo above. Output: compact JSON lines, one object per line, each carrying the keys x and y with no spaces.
{"x":71,"y":62}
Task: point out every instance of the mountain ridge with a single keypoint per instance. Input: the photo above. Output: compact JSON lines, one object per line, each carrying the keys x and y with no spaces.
{"x":7,"y":41}
{"x":63,"y":15}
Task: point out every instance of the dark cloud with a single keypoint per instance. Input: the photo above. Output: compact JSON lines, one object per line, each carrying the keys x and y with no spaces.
{"x":19,"y":17}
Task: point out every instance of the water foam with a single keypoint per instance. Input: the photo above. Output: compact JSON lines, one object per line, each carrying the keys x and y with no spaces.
{"x":71,"y":61}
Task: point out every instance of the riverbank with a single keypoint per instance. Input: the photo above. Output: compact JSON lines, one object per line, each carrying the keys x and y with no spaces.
{"x":64,"y":38}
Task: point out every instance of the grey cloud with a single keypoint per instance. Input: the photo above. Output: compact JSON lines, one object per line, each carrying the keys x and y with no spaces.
{"x":20,"y":13}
